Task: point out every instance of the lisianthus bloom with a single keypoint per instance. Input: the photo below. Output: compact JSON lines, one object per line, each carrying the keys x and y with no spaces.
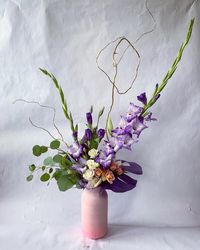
{"x":93,"y":183}
{"x":89,"y":117}
{"x":93,"y":153}
{"x":88,"y":134}
{"x":88,"y":174}
{"x":75,"y":150}
{"x":116,"y":168}
{"x":92,"y":164}
{"x":142,"y":98}
{"x":101,"y":133}
{"x":98,"y":172}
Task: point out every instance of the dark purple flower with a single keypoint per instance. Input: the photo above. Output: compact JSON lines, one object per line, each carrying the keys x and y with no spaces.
{"x":142,"y":98}
{"x":75,"y":150}
{"x":89,"y":118}
{"x":88,"y":134}
{"x":101,"y":133}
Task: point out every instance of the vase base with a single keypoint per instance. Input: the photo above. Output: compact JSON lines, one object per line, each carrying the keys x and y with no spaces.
{"x":94,"y":236}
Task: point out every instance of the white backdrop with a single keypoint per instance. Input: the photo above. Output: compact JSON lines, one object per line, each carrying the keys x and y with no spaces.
{"x":65,"y":36}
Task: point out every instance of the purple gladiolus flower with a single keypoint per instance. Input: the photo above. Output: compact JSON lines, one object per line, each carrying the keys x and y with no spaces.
{"x":142,"y":98}
{"x":133,"y":111}
{"x":101,"y":133}
{"x":88,"y":134}
{"x":138,"y":126}
{"x":149,"y":117}
{"x":104,"y":160}
{"x":89,"y":117}
{"x":75,"y":150}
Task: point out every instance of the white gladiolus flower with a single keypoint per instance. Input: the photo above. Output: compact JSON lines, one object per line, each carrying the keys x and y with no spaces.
{"x":93,"y":153}
{"x":92,"y":164}
{"x":88,"y":175}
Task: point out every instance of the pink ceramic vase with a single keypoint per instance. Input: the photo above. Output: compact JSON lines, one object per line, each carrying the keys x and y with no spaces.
{"x":94,"y":213}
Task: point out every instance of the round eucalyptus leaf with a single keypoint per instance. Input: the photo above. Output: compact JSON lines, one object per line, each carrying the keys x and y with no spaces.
{"x":44,"y":149}
{"x":37,"y":150}
{"x":43,"y":168}
{"x":29,"y":178}
{"x":55,"y":144}
{"x":50,"y":170}
{"x":58,"y":158}
{"x":48,"y":161}
{"x":32,"y":167}
{"x":64,"y":183}
{"x":45,"y":177}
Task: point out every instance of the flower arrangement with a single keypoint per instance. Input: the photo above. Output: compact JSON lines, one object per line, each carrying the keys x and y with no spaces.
{"x":91,"y":161}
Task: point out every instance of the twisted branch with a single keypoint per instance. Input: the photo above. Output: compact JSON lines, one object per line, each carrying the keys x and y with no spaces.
{"x":54,"y":116}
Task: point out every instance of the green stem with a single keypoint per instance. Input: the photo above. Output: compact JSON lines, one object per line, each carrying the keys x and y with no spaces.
{"x":170,"y":72}
{"x":67,"y":114}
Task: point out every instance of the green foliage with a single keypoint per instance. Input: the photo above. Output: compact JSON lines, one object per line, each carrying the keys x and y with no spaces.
{"x":58,"y":158}
{"x":44,"y":149}
{"x":45,"y":177}
{"x":29,"y":178}
{"x":32,"y":167}
{"x":65,"y":182}
{"x":99,"y":116}
{"x":94,"y":142}
{"x":55,"y":144}
{"x":38,"y":150}
{"x":43,"y":168}
{"x":170,"y":72}
{"x":110,"y":126}
{"x":50,"y":170}
{"x":48,"y":161}
{"x":67,"y":114}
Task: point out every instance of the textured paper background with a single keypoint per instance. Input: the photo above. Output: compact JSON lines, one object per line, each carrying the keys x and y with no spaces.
{"x":65,"y":37}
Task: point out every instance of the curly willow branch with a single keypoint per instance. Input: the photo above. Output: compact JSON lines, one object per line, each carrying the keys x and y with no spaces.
{"x":116,"y":63}
{"x":44,"y":129}
{"x":54,"y":116}
{"x":143,"y":34}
